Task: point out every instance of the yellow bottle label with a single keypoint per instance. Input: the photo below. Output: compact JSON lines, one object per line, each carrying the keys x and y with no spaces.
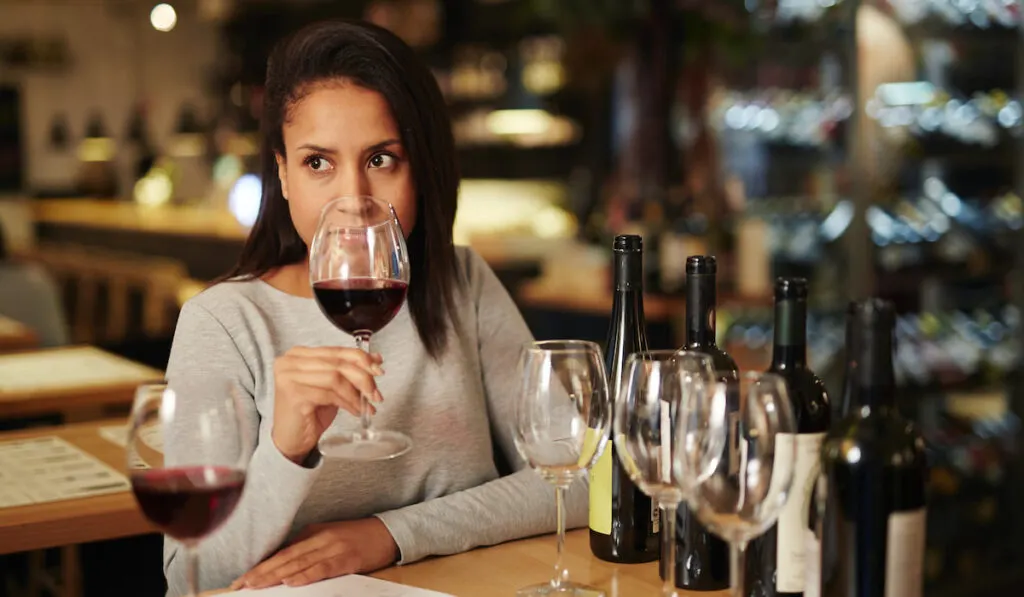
{"x":601,"y":493}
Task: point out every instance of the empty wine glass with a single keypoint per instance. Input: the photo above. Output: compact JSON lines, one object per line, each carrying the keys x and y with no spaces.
{"x":562,"y":418}
{"x":359,"y":269}
{"x":669,"y":429}
{"x":191,"y":492}
{"x":743,"y":497}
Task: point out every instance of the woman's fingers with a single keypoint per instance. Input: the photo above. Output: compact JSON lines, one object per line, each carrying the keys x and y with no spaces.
{"x":369,"y":361}
{"x":328,"y":387}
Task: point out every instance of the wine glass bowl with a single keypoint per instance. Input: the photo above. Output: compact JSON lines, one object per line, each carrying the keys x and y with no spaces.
{"x":745,"y":494}
{"x":561,"y":424}
{"x":359,"y":271}
{"x":186,"y":464}
{"x":666,"y":433}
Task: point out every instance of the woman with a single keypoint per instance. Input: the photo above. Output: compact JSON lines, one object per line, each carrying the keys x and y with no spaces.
{"x":350,"y":110}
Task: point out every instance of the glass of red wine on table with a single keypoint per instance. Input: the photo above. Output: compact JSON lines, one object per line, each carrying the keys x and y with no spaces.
{"x":359,"y":270}
{"x":191,"y":491}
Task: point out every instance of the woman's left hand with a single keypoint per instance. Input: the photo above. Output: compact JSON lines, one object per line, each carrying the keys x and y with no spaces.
{"x":325,"y":551}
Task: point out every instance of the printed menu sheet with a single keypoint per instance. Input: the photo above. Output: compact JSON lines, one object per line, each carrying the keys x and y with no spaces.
{"x":69,"y":368}
{"x":343,"y":586}
{"x":118,"y":435}
{"x":49,"y":469}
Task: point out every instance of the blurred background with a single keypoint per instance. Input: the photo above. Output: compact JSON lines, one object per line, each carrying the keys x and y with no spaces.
{"x":872,"y":146}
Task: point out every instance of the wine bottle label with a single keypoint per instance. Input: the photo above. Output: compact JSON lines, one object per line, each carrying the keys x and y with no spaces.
{"x":601,"y":493}
{"x":791,"y":545}
{"x":812,"y":569}
{"x":904,"y":554}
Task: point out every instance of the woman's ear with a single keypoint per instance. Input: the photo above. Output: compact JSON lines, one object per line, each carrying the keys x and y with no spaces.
{"x":282,"y":175}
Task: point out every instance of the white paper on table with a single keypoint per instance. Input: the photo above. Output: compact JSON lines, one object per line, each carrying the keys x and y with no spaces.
{"x":118,"y":434}
{"x":49,"y":469}
{"x":353,"y":585}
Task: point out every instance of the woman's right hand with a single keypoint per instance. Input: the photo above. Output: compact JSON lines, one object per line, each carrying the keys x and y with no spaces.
{"x":310,"y":385}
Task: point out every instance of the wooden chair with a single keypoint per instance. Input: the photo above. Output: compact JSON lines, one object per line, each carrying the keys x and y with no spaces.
{"x":102,"y":285}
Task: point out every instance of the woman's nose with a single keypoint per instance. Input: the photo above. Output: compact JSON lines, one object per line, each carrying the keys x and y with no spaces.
{"x":352,"y":181}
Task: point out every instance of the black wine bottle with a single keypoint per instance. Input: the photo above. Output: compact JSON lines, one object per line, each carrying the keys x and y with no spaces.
{"x":624,"y":522}
{"x":822,"y":523}
{"x":876,"y":470}
{"x":777,"y":561}
{"x":702,"y":559}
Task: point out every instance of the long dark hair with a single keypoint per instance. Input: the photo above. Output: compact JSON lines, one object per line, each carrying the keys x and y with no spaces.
{"x":376,"y":59}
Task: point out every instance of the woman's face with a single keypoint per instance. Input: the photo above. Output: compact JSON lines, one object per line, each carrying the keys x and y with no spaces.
{"x":341,"y":139}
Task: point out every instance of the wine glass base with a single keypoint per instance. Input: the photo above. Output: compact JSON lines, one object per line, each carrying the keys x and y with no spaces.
{"x":565,"y":589}
{"x":376,"y":445}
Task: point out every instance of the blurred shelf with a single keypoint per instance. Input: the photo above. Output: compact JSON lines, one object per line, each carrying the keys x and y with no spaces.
{"x":174,"y":220}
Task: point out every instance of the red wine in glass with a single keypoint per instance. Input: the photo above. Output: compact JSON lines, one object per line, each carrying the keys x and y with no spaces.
{"x":188,"y":503}
{"x":187,"y":462}
{"x":359,"y":271}
{"x":360,"y":305}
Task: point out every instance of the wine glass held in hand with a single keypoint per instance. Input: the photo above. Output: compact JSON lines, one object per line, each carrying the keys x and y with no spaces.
{"x":359,"y":270}
{"x":561,"y":425}
{"x":191,"y":491}
{"x":743,"y":497}
{"x":669,"y":428}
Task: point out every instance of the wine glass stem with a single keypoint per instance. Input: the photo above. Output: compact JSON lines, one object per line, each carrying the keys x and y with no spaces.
{"x":737,"y":568}
{"x":192,"y":571}
{"x":561,"y":574}
{"x":363,"y":344}
{"x":668,"y":586}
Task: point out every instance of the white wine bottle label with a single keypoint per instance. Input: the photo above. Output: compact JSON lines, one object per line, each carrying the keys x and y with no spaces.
{"x":904,"y":554}
{"x":812,"y":568}
{"x":601,"y":493}
{"x":791,"y":546}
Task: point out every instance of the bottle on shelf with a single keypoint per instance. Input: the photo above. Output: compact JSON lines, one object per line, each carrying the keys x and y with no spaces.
{"x":624,"y":522}
{"x":778,"y":562}
{"x":876,"y":471}
{"x":702,"y":559}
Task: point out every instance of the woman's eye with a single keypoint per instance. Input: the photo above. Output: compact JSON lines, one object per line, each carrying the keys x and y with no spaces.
{"x":382,"y":160}
{"x":318,"y":164}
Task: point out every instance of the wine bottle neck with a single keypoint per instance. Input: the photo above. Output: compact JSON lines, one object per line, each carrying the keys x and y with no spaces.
{"x":789,"y":349}
{"x":873,"y":375}
{"x":627,"y":333}
{"x":701,"y":297}
{"x":629,"y":272}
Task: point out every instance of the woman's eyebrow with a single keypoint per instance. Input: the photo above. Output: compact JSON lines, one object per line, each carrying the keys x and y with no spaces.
{"x":317,"y":148}
{"x":381,"y":145}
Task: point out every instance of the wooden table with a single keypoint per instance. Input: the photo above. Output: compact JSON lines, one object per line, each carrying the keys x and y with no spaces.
{"x":15,"y":336}
{"x":500,"y":570}
{"x":68,"y":380}
{"x":69,"y":522}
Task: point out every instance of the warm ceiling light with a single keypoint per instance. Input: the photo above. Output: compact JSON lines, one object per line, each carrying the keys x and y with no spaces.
{"x":163,"y":17}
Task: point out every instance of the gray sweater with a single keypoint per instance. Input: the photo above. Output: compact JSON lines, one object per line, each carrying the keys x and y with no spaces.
{"x":443,"y":497}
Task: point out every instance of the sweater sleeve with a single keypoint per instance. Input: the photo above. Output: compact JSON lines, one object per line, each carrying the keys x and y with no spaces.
{"x":204,"y":362}
{"x":511,"y":507}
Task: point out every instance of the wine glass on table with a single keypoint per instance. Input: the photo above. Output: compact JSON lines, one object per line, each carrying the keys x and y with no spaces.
{"x":669,"y":429}
{"x":745,"y":494}
{"x":562,"y":418}
{"x":191,"y":491}
{"x":359,"y":270}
